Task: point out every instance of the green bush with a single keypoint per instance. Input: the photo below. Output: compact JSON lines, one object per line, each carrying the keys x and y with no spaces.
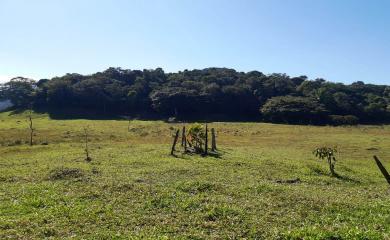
{"x":196,"y":135}
{"x":292,"y":109}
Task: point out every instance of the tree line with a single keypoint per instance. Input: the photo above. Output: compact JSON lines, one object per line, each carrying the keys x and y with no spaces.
{"x":211,"y":93}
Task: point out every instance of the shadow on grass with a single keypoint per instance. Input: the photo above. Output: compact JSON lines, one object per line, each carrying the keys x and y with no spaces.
{"x":182,"y":155}
{"x":320,"y":172}
{"x":76,"y":113}
{"x":345,"y":178}
{"x":71,"y":113}
{"x":214,"y":154}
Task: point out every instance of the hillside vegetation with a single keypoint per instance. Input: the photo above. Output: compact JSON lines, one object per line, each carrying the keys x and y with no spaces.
{"x":211,"y":93}
{"x":133,"y":188}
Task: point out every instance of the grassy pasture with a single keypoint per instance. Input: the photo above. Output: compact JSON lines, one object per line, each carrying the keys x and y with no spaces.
{"x":133,"y":188}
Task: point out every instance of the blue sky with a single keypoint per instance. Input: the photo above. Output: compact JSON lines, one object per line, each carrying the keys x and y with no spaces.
{"x":339,"y":40}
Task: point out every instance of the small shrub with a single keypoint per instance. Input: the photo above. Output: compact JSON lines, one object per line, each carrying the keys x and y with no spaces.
{"x":328,"y":154}
{"x":196,"y":137}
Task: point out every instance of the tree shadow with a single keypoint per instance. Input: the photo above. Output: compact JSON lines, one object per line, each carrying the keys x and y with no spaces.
{"x":320,"y":172}
{"x":214,"y":154}
{"x":345,"y":178}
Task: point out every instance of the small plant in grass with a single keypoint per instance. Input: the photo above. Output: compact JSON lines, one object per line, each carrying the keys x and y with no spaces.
{"x":196,"y":137}
{"x":328,"y":154}
{"x":86,"y":149}
{"x":30,"y":119}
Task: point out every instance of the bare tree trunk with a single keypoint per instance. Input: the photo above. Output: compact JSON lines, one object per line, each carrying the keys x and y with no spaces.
{"x":331,"y":167}
{"x":174,"y":142}
{"x":382,"y":168}
{"x":88,"y":159}
{"x":213,"y":140}
{"x":31,"y":128}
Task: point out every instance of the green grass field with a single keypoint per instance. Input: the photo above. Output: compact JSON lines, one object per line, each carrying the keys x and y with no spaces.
{"x":133,"y":188}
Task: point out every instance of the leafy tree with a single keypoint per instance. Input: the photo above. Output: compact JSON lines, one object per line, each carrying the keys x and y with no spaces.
{"x":308,"y":88}
{"x":201,"y":93}
{"x":177,"y":101}
{"x":20,"y":91}
{"x":290,"y":109}
{"x":59,"y":93}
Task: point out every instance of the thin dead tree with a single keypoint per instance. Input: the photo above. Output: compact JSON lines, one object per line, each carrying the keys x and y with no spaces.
{"x":382,"y":169}
{"x":175,"y":141}
{"x":86,"y":149}
{"x":213,"y":140}
{"x":31,"y":127}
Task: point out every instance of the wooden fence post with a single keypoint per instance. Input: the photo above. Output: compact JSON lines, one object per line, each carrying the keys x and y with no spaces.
{"x":31,"y":129}
{"x":184,"y":140}
{"x":175,"y":141}
{"x":382,"y":168}
{"x":88,"y":158}
{"x":213,"y":140}
{"x":128,"y":126}
{"x":206,"y":143}
{"x":183,"y":136}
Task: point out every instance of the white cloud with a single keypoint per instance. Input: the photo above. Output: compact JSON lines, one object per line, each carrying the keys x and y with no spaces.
{"x":4,"y":78}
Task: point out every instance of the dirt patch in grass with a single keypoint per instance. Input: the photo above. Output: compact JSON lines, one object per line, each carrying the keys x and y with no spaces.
{"x":64,"y":173}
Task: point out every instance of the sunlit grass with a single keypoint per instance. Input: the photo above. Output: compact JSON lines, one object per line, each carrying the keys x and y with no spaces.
{"x":134,"y":188}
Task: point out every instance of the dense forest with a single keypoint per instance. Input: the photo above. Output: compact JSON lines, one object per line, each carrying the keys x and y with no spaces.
{"x":211,"y":93}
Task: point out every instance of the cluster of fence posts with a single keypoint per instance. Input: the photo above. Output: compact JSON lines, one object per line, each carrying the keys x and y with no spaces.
{"x":185,"y":142}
